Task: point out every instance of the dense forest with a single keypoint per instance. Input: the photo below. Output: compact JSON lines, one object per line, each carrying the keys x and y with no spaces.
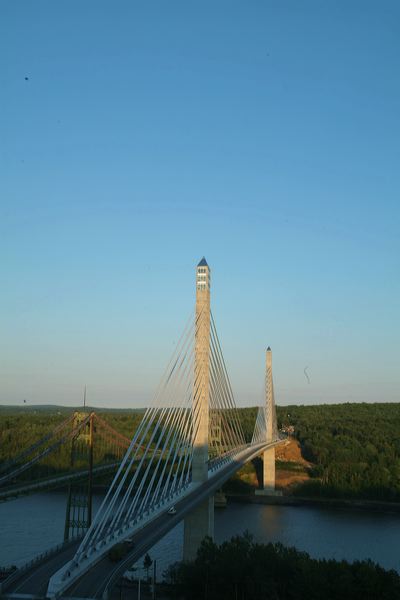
{"x":355,"y":448}
{"x":246,"y":570}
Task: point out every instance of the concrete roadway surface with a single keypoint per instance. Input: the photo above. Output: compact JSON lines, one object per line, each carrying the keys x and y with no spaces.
{"x":35,"y":582}
{"x":105,"y":574}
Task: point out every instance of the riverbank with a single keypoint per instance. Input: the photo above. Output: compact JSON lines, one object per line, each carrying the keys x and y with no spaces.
{"x":338,"y":503}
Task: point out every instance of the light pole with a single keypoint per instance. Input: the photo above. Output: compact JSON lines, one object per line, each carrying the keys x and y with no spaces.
{"x":154,"y":580}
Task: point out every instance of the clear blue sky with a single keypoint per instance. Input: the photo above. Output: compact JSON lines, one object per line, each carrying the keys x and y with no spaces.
{"x":263,"y":135}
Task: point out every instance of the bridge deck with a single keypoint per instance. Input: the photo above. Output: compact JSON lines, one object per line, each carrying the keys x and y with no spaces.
{"x":52,"y":482}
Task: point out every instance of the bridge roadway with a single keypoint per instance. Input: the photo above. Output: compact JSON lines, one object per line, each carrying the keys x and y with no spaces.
{"x":24,"y":489}
{"x":105,"y":574}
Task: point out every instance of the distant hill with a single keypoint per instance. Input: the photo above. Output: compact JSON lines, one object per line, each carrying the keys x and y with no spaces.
{"x":55,"y":409}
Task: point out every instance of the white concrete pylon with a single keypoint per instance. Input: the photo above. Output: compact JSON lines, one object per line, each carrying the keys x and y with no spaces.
{"x":200,"y":523}
{"x":201,"y":397}
{"x":270,"y":427}
{"x":269,"y":396}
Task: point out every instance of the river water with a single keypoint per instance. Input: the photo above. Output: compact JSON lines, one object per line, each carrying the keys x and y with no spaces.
{"x":34,"y":523}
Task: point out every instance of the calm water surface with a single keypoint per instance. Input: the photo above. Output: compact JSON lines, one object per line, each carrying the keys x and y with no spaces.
{"x":32,"y":524}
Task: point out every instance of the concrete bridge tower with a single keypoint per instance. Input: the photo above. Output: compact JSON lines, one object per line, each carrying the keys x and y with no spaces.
{"x":270,"y":427}
{"x":200,"y":522}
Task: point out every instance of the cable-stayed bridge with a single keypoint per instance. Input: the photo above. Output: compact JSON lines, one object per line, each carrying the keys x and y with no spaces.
{"x":188,"y":443}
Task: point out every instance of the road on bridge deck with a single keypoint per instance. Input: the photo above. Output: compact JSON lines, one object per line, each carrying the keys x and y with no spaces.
{"x":36,"y":582}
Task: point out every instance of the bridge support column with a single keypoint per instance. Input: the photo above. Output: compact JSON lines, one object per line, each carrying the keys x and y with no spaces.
{"x":200,"y":523}
{"x":78,"y":516}
{"x":268,"y":488}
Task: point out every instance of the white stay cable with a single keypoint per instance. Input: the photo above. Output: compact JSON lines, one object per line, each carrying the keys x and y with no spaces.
{"x":219,"y":405}
{"x":229,"y":402}
{"x":226,"y":386}
{"x":114,"y":491}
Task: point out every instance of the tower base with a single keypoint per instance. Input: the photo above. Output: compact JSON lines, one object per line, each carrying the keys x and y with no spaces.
{"x":268,"y":475}
{"x":267,"y":492}
{"x":198,"y":525}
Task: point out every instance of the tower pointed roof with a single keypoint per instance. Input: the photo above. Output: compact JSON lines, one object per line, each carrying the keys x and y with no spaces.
{"x":203,"y":263}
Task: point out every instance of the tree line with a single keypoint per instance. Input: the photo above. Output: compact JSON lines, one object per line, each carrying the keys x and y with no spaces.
{"x":355,"y":448}
{"x":242,"y":569}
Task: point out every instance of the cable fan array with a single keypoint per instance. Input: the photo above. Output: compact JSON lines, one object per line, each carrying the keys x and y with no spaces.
{"x":270,"y":407}
{"x":266,"y":426}
{"x":225,"y":431}
{"x":156,"y":468}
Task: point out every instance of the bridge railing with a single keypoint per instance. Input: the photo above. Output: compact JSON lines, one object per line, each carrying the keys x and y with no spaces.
{"x":34,"y":561}
{"x":52,"y":482}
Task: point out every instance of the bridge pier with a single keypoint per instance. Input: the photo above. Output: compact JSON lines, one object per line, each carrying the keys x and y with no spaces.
{"x":268,"y":488}
{"x":198,"y":525}
{"x":268,"y":473}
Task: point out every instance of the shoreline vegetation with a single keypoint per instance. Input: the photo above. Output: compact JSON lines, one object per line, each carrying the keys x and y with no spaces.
{"x":293,"y":480}
{"x":337,"y":452}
